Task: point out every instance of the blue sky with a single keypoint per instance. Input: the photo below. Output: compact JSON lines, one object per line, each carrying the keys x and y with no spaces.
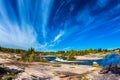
{"x":51,"y":25}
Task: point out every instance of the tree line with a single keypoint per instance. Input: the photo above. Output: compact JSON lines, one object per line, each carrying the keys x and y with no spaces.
{"x":32,"y":55}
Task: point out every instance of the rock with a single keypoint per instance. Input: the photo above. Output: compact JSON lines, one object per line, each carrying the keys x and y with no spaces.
{"x":115,"y":69}
{"x":25,"y":79}
{"x":108,"y":76}
{"x":6,"y":71}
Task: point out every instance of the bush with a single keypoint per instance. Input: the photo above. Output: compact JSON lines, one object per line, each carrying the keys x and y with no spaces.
{"x":70,"y":57}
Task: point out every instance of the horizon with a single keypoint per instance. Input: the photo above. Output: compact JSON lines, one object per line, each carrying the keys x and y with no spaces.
{"x":62,"y":50}
{"x":53,"y":25}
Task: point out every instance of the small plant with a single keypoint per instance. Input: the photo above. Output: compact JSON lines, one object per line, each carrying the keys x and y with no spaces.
{"x":101,"y":56}
{"x":84,"y":78}
{"x":73,"y":63}
{"x":9,"y":77}
{"x":3,"y":57}
{"x":95,"y":64}
{"x":57,"y":65}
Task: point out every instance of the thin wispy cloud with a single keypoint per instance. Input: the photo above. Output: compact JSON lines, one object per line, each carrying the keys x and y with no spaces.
{"x":18,"y":37}
{"x":45,"y":8}
{"x":58,"y":36}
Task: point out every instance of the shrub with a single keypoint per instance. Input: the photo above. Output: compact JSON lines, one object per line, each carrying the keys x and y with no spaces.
{"x":70,"y":57}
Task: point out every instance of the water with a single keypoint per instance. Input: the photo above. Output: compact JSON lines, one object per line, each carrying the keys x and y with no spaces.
{"x":84,"y":62}
{"x":111,"y":58}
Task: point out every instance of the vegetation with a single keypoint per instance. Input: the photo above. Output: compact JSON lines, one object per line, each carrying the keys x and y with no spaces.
{"x":84,"y":78}
{"x":95,"y":64}
{"x":119,"y":51}
{"x":31,"y":55}
{"x":9,"y":77}
{"x":73,"y":63}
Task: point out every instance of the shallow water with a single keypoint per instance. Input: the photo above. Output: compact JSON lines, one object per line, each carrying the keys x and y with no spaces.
{"x":84,"y":62}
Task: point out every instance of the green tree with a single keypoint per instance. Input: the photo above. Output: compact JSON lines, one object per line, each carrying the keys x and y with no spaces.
{"x":99,"y":50}
{"x":0,"y":48}
{"x":31,"y":50}
{"x":119,"y":51}
{"x":61,"y":52}
{"x":32,"y":57}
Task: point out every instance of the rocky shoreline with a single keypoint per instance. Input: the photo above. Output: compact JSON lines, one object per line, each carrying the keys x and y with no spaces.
{"x":48,"y":71}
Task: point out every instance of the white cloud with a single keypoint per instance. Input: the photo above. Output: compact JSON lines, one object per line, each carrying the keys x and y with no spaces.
{"x":16,"y":37}
{"x":46,"y":8}
{"x":58,"y":36}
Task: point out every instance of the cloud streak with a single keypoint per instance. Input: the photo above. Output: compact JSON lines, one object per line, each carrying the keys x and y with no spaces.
{"x":58,"y":36}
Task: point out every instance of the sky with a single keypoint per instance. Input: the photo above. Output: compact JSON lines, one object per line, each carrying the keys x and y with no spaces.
{"x":52,"y":25}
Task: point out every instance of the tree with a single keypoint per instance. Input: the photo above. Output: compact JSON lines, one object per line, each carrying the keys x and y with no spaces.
{"x":31,"y":50}
{"x":99,"y":50}
{"x":105,"y":50}
{"x":32,"y":57}
{"x":0,"y":48}
{"x":61,"y":52}
{"x":119,"y":51}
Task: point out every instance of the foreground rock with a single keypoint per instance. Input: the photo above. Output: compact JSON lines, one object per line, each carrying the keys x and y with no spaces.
{"x":115,"y":69}
{"x":8,"y":74}
{"x":110,"y":72}
{"x":108,"y":76}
